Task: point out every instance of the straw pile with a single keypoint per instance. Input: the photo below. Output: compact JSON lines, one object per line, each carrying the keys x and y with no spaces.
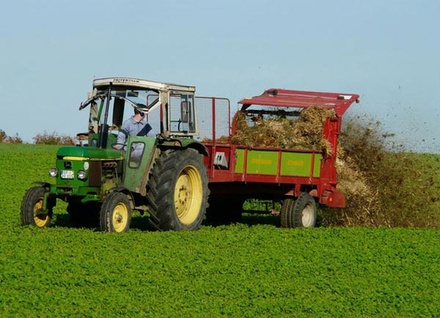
{"x":304,"y":133}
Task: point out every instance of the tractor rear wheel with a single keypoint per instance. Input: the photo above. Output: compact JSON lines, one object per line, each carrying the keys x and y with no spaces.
{"x":178,"y":190}
{"x":299,"y":213}
{"x":32,"y":212}
{"x":115,"y":214}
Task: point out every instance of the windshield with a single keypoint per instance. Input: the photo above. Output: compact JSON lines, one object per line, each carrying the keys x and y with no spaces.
{"x":121,"y":106}
{"x":129,"y":99}
{"x":178,"y":118}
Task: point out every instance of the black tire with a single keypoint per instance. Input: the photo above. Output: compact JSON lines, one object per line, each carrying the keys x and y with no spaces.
{"x":177,"y":190}
{"x":286,"y":214}
{"x":115,"y":214}
{"x":32,"y":212}
{"x":299,"y":213}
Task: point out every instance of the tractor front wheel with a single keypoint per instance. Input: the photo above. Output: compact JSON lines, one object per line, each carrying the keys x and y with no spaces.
{"x":299,"y":213}
{"x":32,"y":211}
{"x":115,"y":214}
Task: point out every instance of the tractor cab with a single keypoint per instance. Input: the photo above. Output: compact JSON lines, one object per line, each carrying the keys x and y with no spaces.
{"x":169,"y":108}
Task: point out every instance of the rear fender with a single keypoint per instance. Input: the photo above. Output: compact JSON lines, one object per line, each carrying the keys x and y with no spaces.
{"x":184,"y":143}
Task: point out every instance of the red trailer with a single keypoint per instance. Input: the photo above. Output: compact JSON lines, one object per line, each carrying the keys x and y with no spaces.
{"x":298,"y":179}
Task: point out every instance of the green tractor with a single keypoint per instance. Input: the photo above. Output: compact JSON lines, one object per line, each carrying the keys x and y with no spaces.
{"x":162,"y":176}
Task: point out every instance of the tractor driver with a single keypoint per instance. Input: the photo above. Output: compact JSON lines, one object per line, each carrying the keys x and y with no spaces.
{"x":136,"y":125}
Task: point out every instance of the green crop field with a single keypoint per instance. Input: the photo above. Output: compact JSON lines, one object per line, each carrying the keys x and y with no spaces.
{"x":251,"y":269}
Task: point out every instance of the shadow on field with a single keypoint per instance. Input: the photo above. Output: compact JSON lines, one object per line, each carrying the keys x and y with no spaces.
{"x":91,"y":222}
{"x":256,"y":219}
{"x":246,"y":219}
{"x":142,"y":223}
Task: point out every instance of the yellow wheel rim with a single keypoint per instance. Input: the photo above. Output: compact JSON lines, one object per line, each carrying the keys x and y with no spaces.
{"x":120,"y":217}
{"x":40,"y":218}
{"x":188,"y":195}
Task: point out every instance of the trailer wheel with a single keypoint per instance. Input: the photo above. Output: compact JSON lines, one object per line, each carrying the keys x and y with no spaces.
{"x":32,"y":212}
{"x":299,"y":213}
{"x":178,"y":190}
{"x":115,"y":214}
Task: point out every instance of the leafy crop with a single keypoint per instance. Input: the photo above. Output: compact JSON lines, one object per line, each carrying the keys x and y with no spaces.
{"x":242,"y":270}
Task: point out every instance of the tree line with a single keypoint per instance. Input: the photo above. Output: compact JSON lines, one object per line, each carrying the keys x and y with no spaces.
{"x":40,"y":139}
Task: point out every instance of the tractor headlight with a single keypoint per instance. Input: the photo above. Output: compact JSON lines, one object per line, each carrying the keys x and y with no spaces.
{"x":82,"y":175}
{"x":53,"y":172}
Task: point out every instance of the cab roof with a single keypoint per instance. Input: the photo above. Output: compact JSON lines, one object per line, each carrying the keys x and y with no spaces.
{"x":136,"y":83}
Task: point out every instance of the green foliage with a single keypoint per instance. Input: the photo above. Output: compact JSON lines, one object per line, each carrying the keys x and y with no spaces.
{"x":242,"y":270}
{"x":53,"y":139}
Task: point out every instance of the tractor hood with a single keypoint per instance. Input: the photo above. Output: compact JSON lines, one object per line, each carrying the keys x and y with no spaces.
{"x":89,"y":153}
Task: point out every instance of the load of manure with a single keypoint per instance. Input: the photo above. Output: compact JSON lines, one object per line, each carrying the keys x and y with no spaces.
{"x":304,"y":133}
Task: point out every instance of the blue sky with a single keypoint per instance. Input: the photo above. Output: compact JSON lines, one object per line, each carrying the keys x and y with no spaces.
{"x":386,"y":51}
